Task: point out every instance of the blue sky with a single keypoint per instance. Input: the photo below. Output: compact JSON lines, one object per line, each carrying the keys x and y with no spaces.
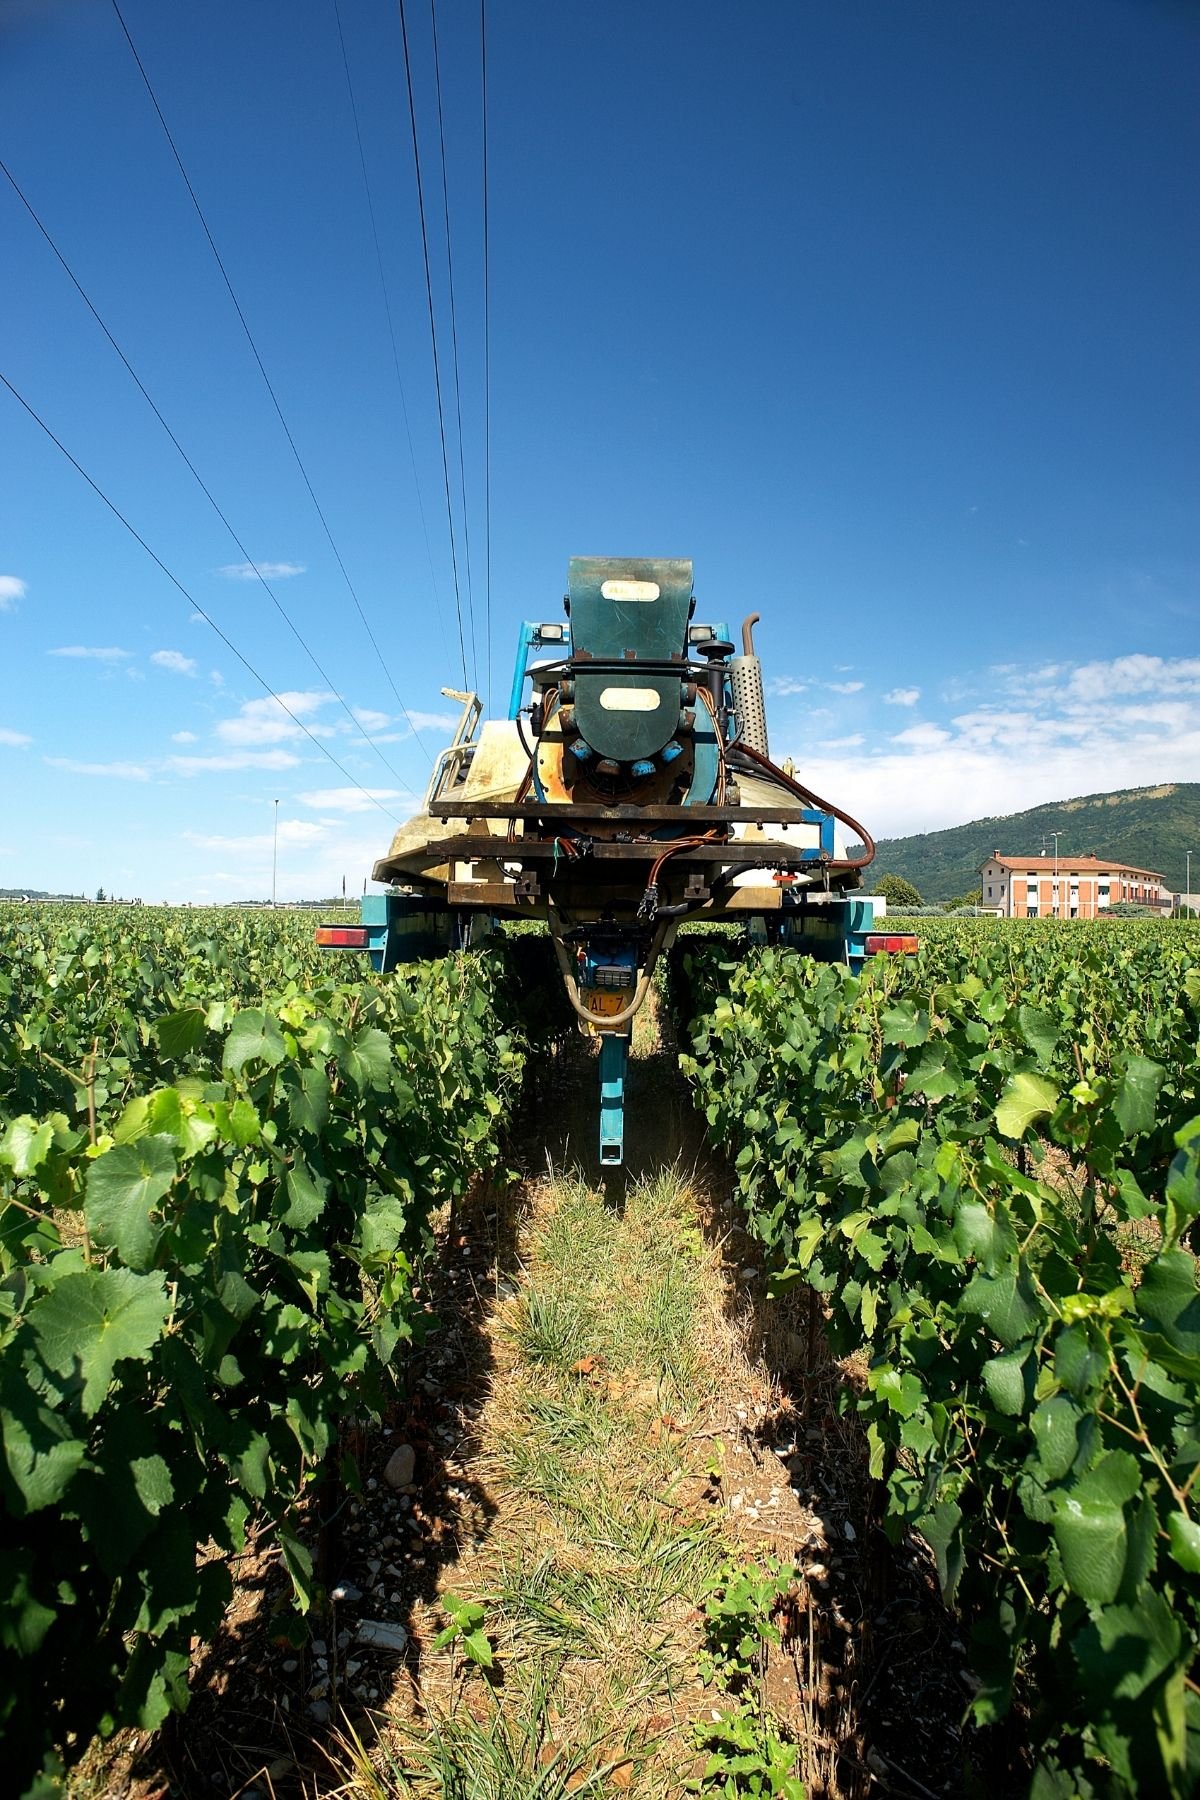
{"x":883,"y":314}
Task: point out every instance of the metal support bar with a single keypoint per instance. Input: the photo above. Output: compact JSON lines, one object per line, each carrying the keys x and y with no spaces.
{"x":614,"y":1054}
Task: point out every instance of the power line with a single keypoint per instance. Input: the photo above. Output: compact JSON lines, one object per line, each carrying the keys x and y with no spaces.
{"x":258,"y":359}
{"x":487,"y":354}
{"x":462,"y":472}
{"x":191,"y":599}
{"x":195,"y":473}
{"x":387,"y":307}
{"x":437,"y":371}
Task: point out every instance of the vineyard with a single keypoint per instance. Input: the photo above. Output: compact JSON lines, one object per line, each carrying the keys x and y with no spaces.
{"x":220,"y":1157}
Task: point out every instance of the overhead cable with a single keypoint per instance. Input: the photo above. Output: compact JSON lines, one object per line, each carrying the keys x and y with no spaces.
{"x":191,"y":599}
{"x":387,"y":307}
{"x":437,"y":371}
{"x":187,"y":181}
{"x":462,"y":472}
{"x":198,"y":478}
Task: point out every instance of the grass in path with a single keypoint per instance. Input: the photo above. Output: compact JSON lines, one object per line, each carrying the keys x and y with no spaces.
{"x":609,"y":1359}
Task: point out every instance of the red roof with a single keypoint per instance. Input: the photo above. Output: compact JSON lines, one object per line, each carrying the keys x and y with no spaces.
{"x":1070,"y":865}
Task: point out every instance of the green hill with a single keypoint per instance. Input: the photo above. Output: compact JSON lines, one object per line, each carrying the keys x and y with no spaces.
{"x":1152,"y":828}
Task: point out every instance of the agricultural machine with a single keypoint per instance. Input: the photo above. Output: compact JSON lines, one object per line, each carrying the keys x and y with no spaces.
{"x":631,"y":787}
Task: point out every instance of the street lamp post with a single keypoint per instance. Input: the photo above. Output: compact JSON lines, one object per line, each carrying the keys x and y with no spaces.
{"x":275,"y":855}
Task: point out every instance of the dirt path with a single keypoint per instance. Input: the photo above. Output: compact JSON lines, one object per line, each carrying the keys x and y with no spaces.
{"x":610,"y":1423}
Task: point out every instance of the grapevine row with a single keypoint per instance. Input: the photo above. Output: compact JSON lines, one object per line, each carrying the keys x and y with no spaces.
{"x":992,"y":1181}
{"x":201,"y":1274}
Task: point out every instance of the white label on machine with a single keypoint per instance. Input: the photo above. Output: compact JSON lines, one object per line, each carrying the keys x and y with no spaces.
{"x":630,"y":590}
{"x":616,"y":699}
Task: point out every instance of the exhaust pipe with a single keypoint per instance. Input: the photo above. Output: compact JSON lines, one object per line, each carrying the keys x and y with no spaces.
{"x":746,"y":684}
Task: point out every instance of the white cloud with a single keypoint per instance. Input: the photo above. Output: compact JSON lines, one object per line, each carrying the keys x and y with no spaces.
{"x":119,"y":771}
{"x":15,"y":740}
{"x":12,"y":589}
{"x":1132,"y":721}
{"x":432,"y":721}
{"x":348,"y":799}
{"x":232,"y":759}
{"x":922,"y":737}
{"x":183,"y":737}
{"x":781,"y":686}
{"x":270,"y":571}
{"x":293,"y":833}
{"x":369,"y":720}
{"x":845,"y":687}
{"x":902,"y":697}
{"x":844,"y":743}
{"x":174,"y":660}
{"x":1097,"y":681}
{"x":266,"y":722}
{"x":92,"y":653}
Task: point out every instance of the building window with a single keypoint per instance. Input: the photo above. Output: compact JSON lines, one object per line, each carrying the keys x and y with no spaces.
{"x":1031,"y":912}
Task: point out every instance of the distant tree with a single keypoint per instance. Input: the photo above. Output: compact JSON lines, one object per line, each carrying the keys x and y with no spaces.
{"x":974,"y":898}
{"x":897,"y":892}
{"x":100,"y":894}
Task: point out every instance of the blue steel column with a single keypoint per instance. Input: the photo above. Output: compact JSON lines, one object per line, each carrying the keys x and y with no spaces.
{"x":614,"y":1051}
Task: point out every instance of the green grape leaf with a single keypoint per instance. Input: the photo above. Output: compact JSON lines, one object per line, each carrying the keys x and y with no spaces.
{"x":307,"y":1195}
{"x":254,"y":1036}
{"x":367,"y":1062}
{"x":1169,"y":1297}
{"x":1091,"y":1541}
{"x":1004,"y":1378}
{"x":180,"y":1032}
{"x":1007,"y":1304}
{"x":25,"y":1145}
{"x":1026,"y":1097}
{"x":24,"y":1619}
{"x":123,"y":1186}
{"x":1055,"y":1426}
{"x":1038,"y":1030}
{"x":92,"y":1320}
{"x":41,"y":1452}
{"x":1137,"y":1094}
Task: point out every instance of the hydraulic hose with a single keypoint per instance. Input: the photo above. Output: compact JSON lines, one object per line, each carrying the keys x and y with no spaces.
{"x":806,"y":794}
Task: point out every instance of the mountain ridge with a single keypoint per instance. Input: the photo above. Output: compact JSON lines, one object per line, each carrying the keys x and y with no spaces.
{"x":1152,"y":828}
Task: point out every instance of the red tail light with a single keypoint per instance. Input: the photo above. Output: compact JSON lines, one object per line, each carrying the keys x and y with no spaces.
{"x":895,"y":943}
{"x":343,"y":937}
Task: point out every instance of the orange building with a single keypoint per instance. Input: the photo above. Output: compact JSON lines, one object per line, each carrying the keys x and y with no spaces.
{"x":1065,"y":887}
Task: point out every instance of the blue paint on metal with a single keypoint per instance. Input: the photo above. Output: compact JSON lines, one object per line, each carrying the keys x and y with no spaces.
{"x":642,"y":768}
{"x":614,"y":1052}
{"x":533,"y":636}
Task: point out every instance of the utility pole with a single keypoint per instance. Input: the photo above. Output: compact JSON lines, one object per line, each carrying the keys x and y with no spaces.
{"x":275,"y":855}
{"x":1187,"y":882}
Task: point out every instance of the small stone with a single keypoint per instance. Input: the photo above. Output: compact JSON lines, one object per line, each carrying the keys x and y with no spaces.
{"x":401,"y":1466}
{"x":319,"y":1647}
{"x":382,"y":1634}
{"x":749,"y":1273}
{"x":290,"y":1666}
{"x":346,"y":1592}
{"x":319,"y":1712}
{"x":849,"y":1531}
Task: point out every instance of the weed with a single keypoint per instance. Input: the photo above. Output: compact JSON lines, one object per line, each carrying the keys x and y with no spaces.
{"x":465,"y":1629}
{"x":739,"y":1614}
{"x":748,"y":1759}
